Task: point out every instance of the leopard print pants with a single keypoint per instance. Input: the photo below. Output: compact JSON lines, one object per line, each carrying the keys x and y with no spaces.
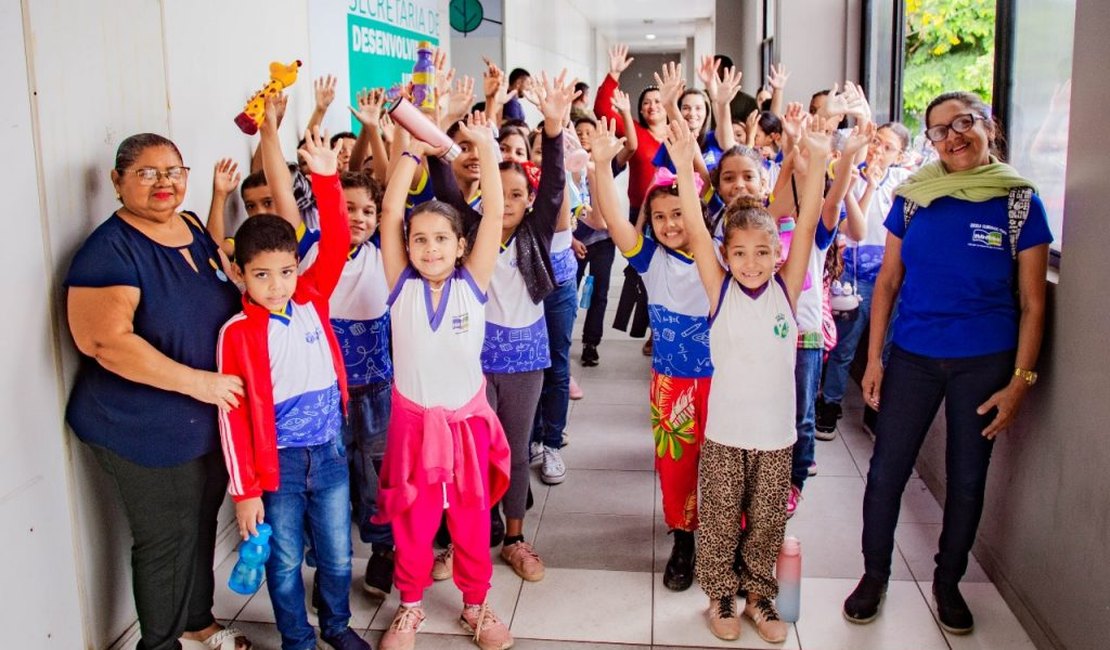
{"x":735,"y":481}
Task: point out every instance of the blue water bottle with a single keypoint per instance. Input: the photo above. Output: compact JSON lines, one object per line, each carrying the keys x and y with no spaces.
{"x":247,"y":575}
{"x":587,"y":292}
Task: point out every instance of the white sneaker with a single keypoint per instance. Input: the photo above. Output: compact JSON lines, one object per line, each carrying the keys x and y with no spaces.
{"x":535,"y":454}
{"x":554,"y":470}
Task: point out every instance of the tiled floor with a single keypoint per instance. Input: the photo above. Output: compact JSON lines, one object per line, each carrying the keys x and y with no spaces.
{"x":602,"y":537}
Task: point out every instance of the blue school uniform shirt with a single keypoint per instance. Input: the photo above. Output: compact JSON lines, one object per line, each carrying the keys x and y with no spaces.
{"x":957,"y":297}
{"x":711,"y":153}
{"x":359,"y":314}
{"x":308,"y":409}
{"x":678,"y":310}
{"x":180,"y":313}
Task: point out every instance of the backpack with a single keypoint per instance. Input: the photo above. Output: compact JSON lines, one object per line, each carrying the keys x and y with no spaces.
{"x":1017,"y":209}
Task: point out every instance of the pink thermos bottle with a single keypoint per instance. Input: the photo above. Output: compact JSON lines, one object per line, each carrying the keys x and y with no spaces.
{"x":789,"y":574}
{"x":423,"y":128}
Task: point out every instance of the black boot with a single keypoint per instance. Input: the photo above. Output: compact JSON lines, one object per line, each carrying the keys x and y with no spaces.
{"x":496,"y":527}
{"x":679,"y":574}
{"x":827,"y":415}
{"x":952,"y":610}
{"x":862,"y":605}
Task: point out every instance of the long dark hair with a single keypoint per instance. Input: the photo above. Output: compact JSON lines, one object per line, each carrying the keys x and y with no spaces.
{"x":640,"y":104}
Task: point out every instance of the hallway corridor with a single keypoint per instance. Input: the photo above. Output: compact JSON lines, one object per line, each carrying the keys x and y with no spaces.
{"x":602,"y":537}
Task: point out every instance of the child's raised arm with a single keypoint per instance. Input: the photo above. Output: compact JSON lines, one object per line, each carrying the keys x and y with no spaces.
{"x":723,"y":89}
{"x":777,"y":80}
{"x":278,"y":178}
{"x":817,"y":144}
{"x":225,"y":179}
{"x":487,"y":243}
{"x":623,"y":105}
{"x":603,"y":146}
{"x":324,"y":91}
{"x":335,"y":229}
{"x":682,"y":149}
{"x":405,"y":164}
{"x":843,"y":179}
{"x":369,"y":114}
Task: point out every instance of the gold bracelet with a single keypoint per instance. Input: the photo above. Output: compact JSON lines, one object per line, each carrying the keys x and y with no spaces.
{"x":1028,"y":376}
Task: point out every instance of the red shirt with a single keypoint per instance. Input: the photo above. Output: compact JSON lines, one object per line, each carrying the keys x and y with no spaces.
{"x":640,"y":167}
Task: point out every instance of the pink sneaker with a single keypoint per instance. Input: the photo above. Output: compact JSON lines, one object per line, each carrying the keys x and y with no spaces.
{"x":792,"y":500}
{"x":488,"y":630}
{"x":575,"y":389}
{"x":401,"y":634}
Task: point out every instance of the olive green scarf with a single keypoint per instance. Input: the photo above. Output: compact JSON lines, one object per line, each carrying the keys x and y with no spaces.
{"x":980,"y":184}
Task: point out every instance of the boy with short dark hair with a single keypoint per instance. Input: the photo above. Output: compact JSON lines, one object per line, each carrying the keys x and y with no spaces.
{"x":283,"y":443}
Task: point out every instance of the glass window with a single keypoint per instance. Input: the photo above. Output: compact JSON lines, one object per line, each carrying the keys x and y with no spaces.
{"x":1041,"y":99}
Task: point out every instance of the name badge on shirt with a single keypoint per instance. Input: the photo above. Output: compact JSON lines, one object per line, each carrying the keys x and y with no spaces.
{"x":985,"y":236}
{"x":460,"y":324}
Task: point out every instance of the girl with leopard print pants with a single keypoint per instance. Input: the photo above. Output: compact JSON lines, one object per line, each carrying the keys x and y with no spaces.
{"x":750,"y":433}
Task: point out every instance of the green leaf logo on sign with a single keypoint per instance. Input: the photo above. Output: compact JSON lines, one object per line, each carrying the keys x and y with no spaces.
{"x":466,"y":15}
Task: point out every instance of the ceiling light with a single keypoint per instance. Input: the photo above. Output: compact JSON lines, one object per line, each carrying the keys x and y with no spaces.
{"x":650,"y":37}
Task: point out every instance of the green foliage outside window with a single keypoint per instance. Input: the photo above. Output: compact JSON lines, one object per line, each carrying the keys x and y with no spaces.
{"x":949,"y":46}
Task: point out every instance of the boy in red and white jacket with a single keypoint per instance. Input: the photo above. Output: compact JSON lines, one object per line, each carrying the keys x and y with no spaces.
{"x":282,"y":442}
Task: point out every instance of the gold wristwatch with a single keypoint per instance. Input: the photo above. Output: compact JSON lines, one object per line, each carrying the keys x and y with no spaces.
{"x":1028,"y":376}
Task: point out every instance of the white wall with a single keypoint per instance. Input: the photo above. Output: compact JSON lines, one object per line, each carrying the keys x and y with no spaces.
{"x":467,"y":50}
{"x":37,"y":531}
{"x":545,"y":35}
{"x":818,"y":42}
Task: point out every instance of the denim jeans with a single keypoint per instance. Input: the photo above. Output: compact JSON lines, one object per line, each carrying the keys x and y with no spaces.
{"x":911,"y":393}
{"x":364,"y":436}
{"x":807,"y":379}
{"x":314,"y":488}
{"x":560,"y":308}
{"x":848,"y":334}
{"x":599,"y":256}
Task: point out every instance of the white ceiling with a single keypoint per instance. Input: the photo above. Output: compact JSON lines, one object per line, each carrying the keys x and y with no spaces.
{"x":629,"y":21}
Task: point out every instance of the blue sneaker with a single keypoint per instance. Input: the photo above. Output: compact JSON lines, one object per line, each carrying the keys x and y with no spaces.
{"x":348,"y":639}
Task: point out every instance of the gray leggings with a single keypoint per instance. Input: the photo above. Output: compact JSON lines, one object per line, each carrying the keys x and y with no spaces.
{"x":513,"y":396}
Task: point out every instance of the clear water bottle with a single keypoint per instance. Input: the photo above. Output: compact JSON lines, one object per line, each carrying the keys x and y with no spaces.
{"x":788,"y":572}
{"x":587,"y":292}
{"x":424,"y":79}
{"x":247,"y":575}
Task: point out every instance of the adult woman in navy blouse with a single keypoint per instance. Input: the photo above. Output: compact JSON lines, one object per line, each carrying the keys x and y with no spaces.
{"x":147,"y":295}
{"x":974,"y":232}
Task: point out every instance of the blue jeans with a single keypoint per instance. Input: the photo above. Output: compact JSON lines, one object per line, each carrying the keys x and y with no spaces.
{"x":848,"y":334}
{"x":364,"y":436}
{"x":314,"y":489}
{"x":911,"y":393}
{"x":807,"y":379}
{"x":560,"y":308}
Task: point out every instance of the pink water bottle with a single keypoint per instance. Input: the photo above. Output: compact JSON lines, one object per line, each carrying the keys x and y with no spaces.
{"x":789,"y":575}
{"x":423,"y":128}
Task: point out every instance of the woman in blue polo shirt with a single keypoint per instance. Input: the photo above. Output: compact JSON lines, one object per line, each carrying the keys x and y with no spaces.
{"x":966,"y":233}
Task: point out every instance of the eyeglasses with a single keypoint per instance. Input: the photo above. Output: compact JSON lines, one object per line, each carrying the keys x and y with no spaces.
{"x":962,"y":124}
{"x":883,"y":146}
{"x":150,"y":175}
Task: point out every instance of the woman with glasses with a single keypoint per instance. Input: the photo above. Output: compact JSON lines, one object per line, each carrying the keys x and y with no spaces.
{"x":147,"y":294}
{"x":966,"y":256}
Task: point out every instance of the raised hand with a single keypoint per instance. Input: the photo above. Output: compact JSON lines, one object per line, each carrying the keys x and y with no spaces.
{"x":321,"y":160}
{"x":857,"y":102}
{"x":621,"y":102}
{"x":443,"y":85}
{"x":779,"y":76}
{"x":369,"y":111}
{"x":619,"y":60}
{"x":816,"y":140}
{"x":324,"y":89}
{"x":477,"y":129}
{"x":555,"y":97}
{"x":280,"y":106}
{"x":707,"y":72}
{"x":226,"y":177}
{"x":670,"y":84}
{"x":729,"y":84}
{"x":493,"y":80}
{"x":859,"y":138}
{"x":680,"y":144}
{"x":271,"y":119}
{"x":605,"y":144}
{"x":459,"y":99}
{"x":792,"y":121}
{"x":439,"y":60}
